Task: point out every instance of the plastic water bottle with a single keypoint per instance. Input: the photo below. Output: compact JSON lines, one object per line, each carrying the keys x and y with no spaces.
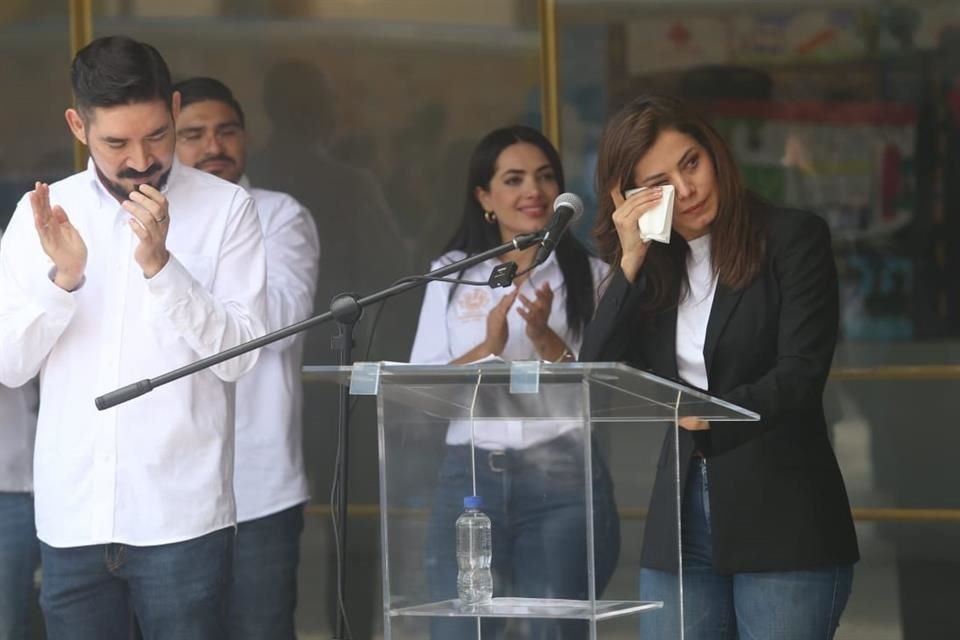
{"x":474,"y":552}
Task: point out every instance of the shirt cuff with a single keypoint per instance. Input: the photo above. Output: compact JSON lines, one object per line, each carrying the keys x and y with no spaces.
{"x":171,"y":285}
{"x":51,"y":297}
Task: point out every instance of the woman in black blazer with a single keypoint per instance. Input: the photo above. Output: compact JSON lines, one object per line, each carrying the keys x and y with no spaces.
{"x":742,"y":302}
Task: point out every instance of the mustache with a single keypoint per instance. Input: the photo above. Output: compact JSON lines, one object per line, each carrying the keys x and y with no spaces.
{"x":217,"y":158}
{"x":146,"y":173}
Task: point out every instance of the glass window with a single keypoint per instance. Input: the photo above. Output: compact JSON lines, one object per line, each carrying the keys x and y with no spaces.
{"x":850,"y":110}
{"x":366,"y":112}
{"x":35,"y":143}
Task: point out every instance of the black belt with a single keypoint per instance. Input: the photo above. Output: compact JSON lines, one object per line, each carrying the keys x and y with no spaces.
{"x":497,"y":460}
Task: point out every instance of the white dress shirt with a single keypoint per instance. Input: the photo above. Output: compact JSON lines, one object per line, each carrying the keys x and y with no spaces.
{"x":693,"y":314}
{"x":269,"y":475}
{"x":157,"y":469}
{"x":449,"y":328}
{"x":18,"y":428}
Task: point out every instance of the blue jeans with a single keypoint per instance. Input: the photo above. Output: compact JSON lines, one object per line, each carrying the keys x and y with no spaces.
{"x":786,"y":605}
{"x":263,"y":596}
{"x":19,"y":559}
{"x":536,"y":503}
{"x":177,"y":591}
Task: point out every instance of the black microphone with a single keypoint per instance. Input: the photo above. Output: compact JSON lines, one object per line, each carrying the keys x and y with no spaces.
{"x":566,"y":208}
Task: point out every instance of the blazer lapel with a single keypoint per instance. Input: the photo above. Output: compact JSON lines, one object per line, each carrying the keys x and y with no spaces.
{"x":666,"y":350}
{"x":725,"y":301}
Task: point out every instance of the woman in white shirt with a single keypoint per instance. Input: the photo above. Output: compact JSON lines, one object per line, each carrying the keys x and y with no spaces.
{"x":529,"y":474}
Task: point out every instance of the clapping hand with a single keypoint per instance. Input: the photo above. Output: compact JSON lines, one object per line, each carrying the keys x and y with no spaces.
{"x":497,"y":328}
{"x":537,"y":312}
{"x":59,"y":238}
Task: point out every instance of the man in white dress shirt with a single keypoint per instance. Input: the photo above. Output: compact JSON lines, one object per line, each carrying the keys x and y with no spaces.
{"x":269,"y":479}
{"x":136,"y":266}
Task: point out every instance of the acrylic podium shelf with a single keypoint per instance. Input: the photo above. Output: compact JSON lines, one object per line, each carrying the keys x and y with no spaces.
{"x":609,"y":416}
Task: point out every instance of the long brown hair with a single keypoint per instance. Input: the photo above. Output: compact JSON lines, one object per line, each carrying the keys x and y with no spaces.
{"x":737,"y":238}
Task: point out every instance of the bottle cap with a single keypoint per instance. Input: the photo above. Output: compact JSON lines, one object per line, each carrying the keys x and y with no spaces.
{"x":472,"y":502}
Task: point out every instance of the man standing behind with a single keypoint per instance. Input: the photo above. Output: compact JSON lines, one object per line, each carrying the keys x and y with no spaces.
{"x":133,"y":267}
{"x":269,"y":480}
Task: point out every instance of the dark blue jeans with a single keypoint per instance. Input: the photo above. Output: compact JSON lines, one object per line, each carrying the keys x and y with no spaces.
{"x":535,"y":499}
{"x":177,"y":591}
{"x":786,"y":605}
{"x":19,"y":559}
{"x":263,"y":596}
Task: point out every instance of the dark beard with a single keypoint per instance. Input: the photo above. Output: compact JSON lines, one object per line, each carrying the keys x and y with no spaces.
{"x":119,"y":192}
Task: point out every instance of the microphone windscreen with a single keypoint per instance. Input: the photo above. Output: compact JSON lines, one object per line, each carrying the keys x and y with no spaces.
{"x":571,"y":200}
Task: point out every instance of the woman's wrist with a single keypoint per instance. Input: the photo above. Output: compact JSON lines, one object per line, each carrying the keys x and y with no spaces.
{"x":551,"y":347}
{"x":630,"y":266}
{"x":483,"y":350}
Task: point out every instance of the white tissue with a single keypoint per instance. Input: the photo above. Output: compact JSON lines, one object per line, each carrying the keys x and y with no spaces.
{"x":655,"y":223}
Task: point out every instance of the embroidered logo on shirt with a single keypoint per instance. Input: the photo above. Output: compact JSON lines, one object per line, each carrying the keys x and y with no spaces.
{"x":473,"y":303}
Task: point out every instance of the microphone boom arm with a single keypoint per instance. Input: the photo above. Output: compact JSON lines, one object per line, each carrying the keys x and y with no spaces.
{"x":342,"y":306}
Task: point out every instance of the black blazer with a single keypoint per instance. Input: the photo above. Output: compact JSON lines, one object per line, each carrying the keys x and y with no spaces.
{"x":778,"y":502}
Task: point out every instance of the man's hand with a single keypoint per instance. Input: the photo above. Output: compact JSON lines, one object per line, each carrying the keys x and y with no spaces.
{"x":151,"y":222}
{"x":60,"y":239}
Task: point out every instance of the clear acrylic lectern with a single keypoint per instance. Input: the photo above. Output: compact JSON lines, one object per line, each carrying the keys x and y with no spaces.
{"x":565,"y":455}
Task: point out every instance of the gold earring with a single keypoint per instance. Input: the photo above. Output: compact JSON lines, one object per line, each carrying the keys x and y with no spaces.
{"x":490,"y":217}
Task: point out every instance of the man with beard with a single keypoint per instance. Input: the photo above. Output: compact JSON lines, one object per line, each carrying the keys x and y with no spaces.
{"x":269,"y":480}
{"x":136,"y":266}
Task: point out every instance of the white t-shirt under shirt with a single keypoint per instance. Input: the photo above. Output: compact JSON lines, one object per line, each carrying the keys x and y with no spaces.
{"x":449,"y":328}
{"x":693,"y":314}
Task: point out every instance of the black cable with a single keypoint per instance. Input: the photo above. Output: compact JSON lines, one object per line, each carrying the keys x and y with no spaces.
{"x":380,"y":306}
{"x":335,"y":497}
{"x":472,"y":283}
{"x":525,"y":271}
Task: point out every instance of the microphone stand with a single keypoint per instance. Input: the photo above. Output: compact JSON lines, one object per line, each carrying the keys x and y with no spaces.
{"x":346,"y":309}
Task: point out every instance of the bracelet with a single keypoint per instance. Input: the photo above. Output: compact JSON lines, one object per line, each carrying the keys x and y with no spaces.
{"x":565,"y":355}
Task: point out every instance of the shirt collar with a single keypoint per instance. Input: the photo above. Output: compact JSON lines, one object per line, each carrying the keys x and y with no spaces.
{"x":549,"y":264}
{"x":552,"y":260}
{"x":244,"y":182}
{"x":700,"y":249}
{"x":96,"y":186}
